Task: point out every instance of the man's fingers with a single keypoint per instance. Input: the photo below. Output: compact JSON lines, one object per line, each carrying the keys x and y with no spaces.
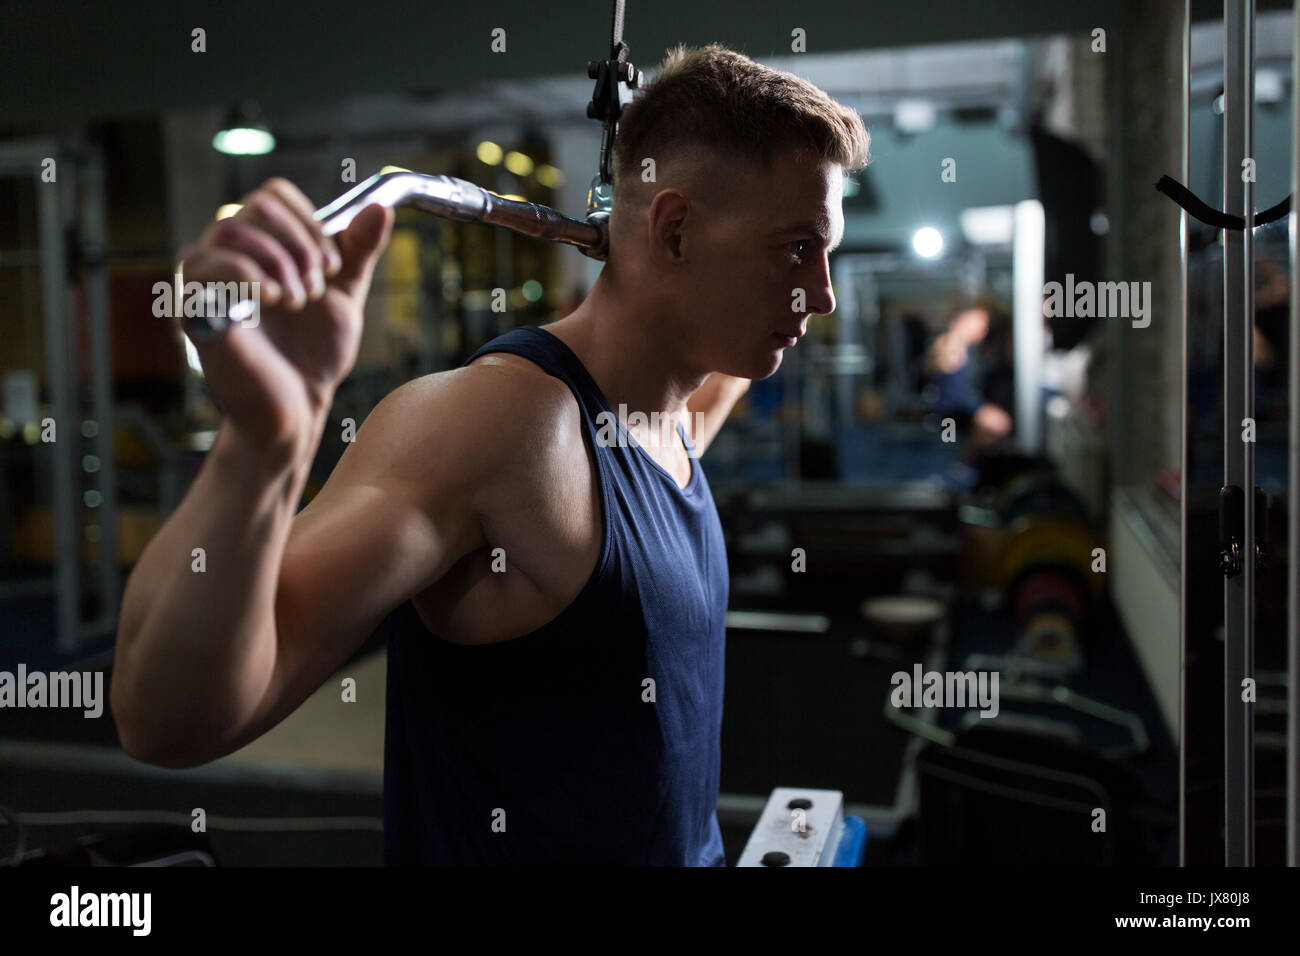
{"x":267,"y":211}
{"x":302,"y":207}
{"x":209,"y":264}
{"x":281,"y":270}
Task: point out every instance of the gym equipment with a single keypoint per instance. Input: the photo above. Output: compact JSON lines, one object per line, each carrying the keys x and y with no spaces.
{"x":71,"y":259}
{"x":444,"y":196}
{"x":809,"y":727}
{"x":1045,"y":569}
{"x":1040,"y":494}
{"x":801,"y":827}
{"x":456,"y":199}
{"x":1031,"y":540}
{"x":461,"y":201}
{"x":137,"y":846}
{"x":1015,"y":685}
{"x":904,"y":616}
{"x":856,"y":541}
{"x":999,"y":796}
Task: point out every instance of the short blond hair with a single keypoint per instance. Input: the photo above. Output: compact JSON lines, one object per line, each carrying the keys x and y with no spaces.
{"x":716,"y":98}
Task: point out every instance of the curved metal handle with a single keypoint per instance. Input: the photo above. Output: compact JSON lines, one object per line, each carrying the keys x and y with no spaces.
{"x":444,"y":196}
{"x":453,"y":198}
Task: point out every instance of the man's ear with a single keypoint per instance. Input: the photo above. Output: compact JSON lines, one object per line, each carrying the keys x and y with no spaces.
{"x":668,"y":215}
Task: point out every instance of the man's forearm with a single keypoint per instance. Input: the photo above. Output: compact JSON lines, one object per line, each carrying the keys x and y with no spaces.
{"x":710,"y":405}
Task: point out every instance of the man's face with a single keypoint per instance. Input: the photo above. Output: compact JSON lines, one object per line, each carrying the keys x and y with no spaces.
{"x":754,"y":275}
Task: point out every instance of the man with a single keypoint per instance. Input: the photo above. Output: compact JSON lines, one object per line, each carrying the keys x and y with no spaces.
{"x":959,"y":385}
{"x":554,"y":587}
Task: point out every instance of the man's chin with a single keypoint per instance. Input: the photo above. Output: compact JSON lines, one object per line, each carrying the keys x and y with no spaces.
{"x":768,"y":368}
{"x":759,"y":368}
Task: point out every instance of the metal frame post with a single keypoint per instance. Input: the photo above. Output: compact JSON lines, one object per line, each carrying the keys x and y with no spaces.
{"x":1185,"y":318}
{"x":95,"y":245}
{"x":1293,"y":487}
{"x":60,"y":388}
{"x":1238,"y":405}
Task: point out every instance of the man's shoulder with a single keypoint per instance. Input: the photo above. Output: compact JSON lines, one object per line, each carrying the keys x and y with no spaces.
{"x":501,"y":410}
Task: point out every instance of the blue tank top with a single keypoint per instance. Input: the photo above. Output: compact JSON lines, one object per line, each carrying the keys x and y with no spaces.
{"x":594,"y":740}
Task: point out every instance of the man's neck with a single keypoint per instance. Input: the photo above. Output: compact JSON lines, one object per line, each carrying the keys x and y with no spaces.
{"x":629,"y":356}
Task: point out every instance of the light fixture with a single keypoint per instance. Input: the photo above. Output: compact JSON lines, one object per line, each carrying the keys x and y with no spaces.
{"x":927,"y":241}
{"x":1270,"y":86}
{"x":987,"y":225}
{"x":914,"y":116}
{"x":244,"y":141}
{"x":518,"y":163}
{"x":549,"y":176}
{"x":243,"y":135}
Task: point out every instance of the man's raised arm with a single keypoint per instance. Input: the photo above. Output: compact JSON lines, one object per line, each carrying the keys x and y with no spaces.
{"x":709,"y":406}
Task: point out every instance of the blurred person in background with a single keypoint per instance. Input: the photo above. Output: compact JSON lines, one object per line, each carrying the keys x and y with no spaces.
{"x":964,"y":381}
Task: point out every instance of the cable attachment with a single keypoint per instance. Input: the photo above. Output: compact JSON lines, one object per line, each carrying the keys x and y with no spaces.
{"x":615,"y":78}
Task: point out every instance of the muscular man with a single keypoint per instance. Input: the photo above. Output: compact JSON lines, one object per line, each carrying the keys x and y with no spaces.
{"x":554,"y":590}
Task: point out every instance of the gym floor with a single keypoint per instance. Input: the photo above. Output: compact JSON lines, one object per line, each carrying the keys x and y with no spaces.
{"x":801,"y":710}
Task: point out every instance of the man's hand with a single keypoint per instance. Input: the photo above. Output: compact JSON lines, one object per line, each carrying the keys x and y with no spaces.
{"x":275,"y":380}
{"x":991,"y":424}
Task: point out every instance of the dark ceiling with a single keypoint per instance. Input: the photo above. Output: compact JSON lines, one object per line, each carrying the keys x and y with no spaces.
{"x":65,"y":62}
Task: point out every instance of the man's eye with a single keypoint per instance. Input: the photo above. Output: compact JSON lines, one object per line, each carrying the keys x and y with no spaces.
{"x":797,"y":248}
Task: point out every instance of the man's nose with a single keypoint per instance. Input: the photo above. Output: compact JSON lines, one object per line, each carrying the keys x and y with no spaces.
{"x":821,"y":297}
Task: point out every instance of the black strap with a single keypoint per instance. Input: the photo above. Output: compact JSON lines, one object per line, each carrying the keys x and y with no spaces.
{"x":1213,"y":217}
